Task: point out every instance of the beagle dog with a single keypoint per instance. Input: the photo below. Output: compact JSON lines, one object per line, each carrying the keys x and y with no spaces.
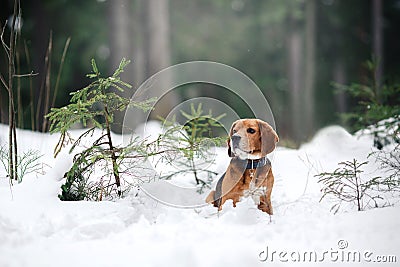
{"x":249,"y":172}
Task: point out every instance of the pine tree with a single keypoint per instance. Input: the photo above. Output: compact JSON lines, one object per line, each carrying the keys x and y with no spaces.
{"x":345,"y":184}
{"x":192,"y":143}
{"x":93,"y":105}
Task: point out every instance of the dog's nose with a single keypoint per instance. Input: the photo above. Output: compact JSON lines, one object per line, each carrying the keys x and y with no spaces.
{"x":235,"y":137}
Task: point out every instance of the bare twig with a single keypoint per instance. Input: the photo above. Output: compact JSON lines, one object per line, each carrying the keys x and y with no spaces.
{"x":25,"y":75}
{"x":60,"y":70}
{"x":19,"y":100}
{"x":48,"y":81}
{"x":6,"y":48}
{"x":42,"y":86}
{"x":28,"y":59}
{"x":3,"y":81}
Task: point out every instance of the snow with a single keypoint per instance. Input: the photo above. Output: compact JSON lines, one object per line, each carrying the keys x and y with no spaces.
{"x":37,"y":229}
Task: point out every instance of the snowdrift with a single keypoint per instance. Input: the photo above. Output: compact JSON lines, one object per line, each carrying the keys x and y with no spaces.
{"x":37,"y":229}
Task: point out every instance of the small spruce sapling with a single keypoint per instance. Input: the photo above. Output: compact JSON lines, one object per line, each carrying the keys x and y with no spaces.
{"x":377,"y":113}
{"x":389,"y":163}
{"x":93,"y":105}
{"x":194,"y":141}
{"x":345,"y":184}
{"x":25,"y":164}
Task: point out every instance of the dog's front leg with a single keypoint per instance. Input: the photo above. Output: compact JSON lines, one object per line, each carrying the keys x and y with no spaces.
{"x":265,"y":199}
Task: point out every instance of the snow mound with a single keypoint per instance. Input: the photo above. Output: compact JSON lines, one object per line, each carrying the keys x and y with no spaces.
{"x":37,"y":229}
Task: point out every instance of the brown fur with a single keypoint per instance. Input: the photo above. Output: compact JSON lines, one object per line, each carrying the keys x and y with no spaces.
{"x":237,"y":180}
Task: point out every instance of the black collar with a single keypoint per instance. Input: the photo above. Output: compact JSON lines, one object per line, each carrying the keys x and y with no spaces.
{"x":257,"y":163}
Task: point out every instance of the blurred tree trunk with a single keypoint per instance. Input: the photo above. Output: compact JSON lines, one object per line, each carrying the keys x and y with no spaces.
{"x":309,"y":88}
{"x":2,"y":105}
{"x":295,"y":83}
{"x":295,"y":62}
{"x":139,"y":50}
{"x":158,"y":45}
{"x":39,"y":43}
{"x":377,"y":44}
{"x":158,"y":51}
{"x":339,"y":76}
{"x":121,"y":42}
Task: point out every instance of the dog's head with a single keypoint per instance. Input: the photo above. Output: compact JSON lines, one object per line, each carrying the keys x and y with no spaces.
{"x":251,"y":139}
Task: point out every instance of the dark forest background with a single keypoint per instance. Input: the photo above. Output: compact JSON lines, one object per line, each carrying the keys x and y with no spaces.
{"x":292,"y":49}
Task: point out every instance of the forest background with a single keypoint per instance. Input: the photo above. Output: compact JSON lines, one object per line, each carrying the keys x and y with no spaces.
{"x":294,"y":50}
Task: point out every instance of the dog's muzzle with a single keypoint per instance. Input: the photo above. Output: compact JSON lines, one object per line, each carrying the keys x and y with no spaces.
{"x":235,"y":141}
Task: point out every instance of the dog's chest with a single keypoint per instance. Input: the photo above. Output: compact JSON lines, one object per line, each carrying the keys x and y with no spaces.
{"x":252,"y":186}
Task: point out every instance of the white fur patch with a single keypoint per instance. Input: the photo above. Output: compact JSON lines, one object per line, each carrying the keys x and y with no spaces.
{"x":255,"y":192}
{"x":244,"y":155}
{"x":240,"y":151}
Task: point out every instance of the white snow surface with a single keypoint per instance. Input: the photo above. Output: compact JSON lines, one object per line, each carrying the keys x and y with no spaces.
{"x":37,"y":229}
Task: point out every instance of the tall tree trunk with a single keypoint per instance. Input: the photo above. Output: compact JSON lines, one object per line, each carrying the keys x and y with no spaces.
{"x":39,"y":53}
{"x":309,"y":88}
{"x":12,"y":137}
{"x":159,"y":55}
{"x":6,"y":6}
{"x":377,"y":44}
{"x":295,"y":83}
{"x":2,"y":120}
{"x":295,"y":63}
{"x":158,"y":49}
{"x":139,"y":50}
{"x":121,"y":42}
{"x":339,"y":76}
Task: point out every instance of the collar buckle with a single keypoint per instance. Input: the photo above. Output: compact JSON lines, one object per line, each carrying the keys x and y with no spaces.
{"x":257,"y":163}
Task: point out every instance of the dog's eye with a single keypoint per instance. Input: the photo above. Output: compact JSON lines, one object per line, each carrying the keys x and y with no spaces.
{"x":251,"y":130}
{"x":234,"y":131}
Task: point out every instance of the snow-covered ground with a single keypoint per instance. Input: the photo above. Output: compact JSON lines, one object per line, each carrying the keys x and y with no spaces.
{"x":37,"y":229}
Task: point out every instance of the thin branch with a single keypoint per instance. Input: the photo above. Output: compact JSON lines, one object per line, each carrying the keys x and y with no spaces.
{"x":48,"y":81}
{"x":20,"y":112}
{"x":30,"y":87}
{"x":25,"y":75}
{"x":6,"y":48}
{"x":3,"y":82}
{"x":44,"y":80}
{"x":60,"y":70}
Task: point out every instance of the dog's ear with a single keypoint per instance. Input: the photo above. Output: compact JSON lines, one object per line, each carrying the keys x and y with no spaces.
{"x":230,"y":154}
{"x":268,"y":137}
